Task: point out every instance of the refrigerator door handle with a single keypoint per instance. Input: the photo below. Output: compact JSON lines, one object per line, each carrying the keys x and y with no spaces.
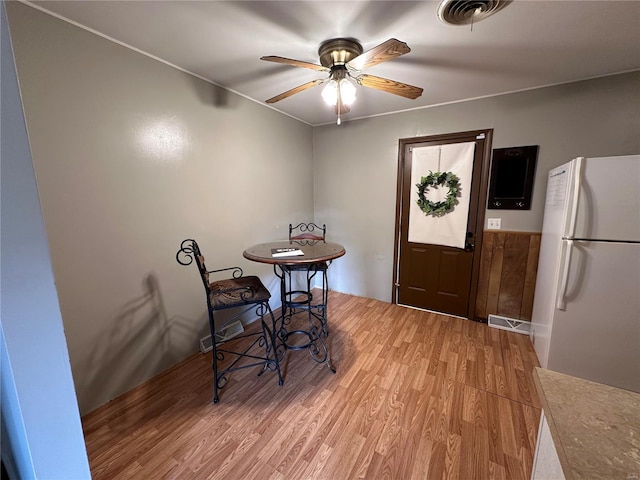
{"x":577,"y":186}
{"x":567,"y":248}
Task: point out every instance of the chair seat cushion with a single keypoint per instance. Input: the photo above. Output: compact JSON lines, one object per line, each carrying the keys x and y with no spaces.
{"x":234,"y":292}
{"x":307,"y":236}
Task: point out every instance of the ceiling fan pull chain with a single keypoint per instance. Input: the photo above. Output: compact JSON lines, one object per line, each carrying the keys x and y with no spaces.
{"x":339,"y":104}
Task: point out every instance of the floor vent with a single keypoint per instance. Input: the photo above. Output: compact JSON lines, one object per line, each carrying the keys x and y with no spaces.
{"x":226,"y":333}
{"x":511,"y":324}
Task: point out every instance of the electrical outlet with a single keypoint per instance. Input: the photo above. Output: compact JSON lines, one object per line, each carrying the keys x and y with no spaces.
{"x":494,"y":223}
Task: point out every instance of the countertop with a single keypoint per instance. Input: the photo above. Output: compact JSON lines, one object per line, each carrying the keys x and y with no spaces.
{"x":595,"y":427}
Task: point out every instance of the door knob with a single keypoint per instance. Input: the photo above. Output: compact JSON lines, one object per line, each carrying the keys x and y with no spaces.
{"x":469,"y":244}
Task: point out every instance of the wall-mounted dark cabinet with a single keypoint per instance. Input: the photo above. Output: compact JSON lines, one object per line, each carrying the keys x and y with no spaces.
{"x":512,"y":173}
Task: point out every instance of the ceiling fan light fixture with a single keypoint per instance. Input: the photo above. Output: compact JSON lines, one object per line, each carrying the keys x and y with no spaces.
{"x":330,"y":93}
{"x":345,"y":87}
{"x":347,"y":91}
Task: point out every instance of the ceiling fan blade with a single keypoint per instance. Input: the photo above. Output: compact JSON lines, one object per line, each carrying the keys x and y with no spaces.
{"x":295,"y":63}
{"x":392,"y":48}
{"x":390,"y":86}
{"x":293,"y":91}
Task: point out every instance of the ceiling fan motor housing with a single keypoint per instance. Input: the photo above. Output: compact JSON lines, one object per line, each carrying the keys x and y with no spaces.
{"x":338,"y":51}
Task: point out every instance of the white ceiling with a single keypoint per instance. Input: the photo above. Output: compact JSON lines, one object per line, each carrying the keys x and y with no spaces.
{"x":528,"y":44}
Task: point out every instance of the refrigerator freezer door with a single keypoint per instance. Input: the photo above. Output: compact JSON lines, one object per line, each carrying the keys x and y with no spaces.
{"x":556,"y":205}
{"x":609,"y":200}
{"x":597,"y":336}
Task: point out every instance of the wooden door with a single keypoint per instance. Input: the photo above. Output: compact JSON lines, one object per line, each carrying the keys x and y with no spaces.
{"x":432,"y":276}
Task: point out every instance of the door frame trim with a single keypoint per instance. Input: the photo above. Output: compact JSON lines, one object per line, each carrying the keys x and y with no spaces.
{"x":480,"y":216}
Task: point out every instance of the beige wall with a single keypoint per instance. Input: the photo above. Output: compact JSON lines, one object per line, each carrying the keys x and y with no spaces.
{"x":132,"y":156}
{"x":355,"y":165}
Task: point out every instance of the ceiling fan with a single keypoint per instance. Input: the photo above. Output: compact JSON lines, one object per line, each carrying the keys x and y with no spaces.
{"x":343,"y":59}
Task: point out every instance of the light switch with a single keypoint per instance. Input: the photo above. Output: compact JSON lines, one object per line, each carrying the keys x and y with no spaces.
{"x":494,"y":223}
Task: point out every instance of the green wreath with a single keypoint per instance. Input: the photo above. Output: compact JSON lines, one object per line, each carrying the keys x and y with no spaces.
{"x":435,"y":180}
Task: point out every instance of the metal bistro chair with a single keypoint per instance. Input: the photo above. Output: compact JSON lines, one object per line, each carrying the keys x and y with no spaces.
{"x":295,"y":301}
{"x":237,"y":291}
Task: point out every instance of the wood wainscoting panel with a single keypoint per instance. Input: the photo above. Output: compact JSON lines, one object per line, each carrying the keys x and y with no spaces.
{"x":508,"y":268}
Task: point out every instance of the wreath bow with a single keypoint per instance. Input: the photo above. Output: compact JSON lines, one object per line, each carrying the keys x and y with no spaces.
{"x":437,"y":179}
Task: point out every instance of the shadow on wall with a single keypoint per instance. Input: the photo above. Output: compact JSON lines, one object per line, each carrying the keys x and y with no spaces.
{"x":137,"y":343}
{"x":210,"y":94}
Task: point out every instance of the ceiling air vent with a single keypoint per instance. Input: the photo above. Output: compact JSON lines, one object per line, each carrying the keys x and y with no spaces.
{"x":468,"y":12}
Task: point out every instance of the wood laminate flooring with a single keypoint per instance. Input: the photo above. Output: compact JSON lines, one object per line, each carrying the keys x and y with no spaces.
{"x":416,"y":395}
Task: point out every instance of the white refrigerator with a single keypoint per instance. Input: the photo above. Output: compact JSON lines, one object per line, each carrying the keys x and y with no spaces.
{"x":586,"y":311}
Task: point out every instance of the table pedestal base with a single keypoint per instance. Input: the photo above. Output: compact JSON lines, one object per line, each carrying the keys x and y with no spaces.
{"x":315,"y":344}
{"x":298,"y":308}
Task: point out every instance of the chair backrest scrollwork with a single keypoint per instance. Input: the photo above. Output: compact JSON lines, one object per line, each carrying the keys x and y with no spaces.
{"x":307,"y":231}
{"x":190,"y":251}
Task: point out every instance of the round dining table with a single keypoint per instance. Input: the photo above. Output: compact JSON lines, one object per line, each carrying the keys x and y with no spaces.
{"x":309,"y":256}
{"x":313,"y":252}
